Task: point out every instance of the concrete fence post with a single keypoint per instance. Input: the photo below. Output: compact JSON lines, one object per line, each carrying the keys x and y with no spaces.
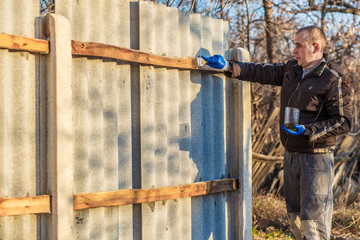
{"x":243,"y":165}
{"x":60,"y":132}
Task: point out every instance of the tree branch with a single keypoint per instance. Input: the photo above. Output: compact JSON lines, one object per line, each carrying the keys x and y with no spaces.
{"x":319,"y":8}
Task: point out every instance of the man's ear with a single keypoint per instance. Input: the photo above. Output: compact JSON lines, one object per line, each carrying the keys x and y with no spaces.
{"x":316,"y":47}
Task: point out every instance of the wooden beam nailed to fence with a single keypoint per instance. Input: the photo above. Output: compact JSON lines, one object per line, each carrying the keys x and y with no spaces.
{"x":23,"y":43}
{"x":35,"y":45}
{"x":26,"y":205}
{"x":41,"y":204}
{"x":133,"y":196}
{"x":131,"y":55}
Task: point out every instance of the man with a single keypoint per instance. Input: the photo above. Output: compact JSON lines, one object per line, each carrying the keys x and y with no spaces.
{"x":321,"y":92}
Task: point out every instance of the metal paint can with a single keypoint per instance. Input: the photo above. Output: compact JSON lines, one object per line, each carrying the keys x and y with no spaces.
{"x":291,"y":117}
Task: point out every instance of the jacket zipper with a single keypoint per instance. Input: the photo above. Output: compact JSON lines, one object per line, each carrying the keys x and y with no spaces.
{"x":293,"y":93}
{"x":297,"y":86}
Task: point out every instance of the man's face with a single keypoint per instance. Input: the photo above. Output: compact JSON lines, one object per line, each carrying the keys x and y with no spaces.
{"x":303,"y":51}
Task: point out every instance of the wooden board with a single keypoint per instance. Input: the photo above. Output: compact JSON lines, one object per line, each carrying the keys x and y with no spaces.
{"x":130,"y":55}
{"x":41,"y":204}
{"x":26,"y":205}
{"x":23,"y":43}
{"x":133,"y":196}
{"x":264,"y":158}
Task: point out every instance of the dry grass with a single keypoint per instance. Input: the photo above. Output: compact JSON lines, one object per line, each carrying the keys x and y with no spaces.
{"x":269,"y":211}
{"x":346,"y":219}
{"x":270,"y":219}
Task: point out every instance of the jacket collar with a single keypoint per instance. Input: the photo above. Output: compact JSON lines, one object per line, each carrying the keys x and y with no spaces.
{"x":322,"y":66}
{"x":318,"y":70}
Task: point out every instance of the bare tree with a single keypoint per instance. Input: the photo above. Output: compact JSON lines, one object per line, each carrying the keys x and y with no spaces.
{"x":47,"y":6}
{"x":269,"y":29}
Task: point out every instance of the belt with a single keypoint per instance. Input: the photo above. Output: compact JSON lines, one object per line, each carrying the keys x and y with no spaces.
{"x":319,"y":150}
{"x":324,"y":150}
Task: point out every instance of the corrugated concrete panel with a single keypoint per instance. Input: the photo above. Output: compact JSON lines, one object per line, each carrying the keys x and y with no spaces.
{"x":102,"y":116}
{"x":196,"y":124}
{"x":18,"y":117}
{"x":152,"y":155}
{"x":181,"y":110}
{"x":209,"y":134}
{"x":213,"y":136}
{"x":189,"y":89}
{"x":160,"y":121}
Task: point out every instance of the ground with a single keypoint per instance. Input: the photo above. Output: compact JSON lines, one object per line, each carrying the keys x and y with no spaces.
{"x":270,"y":219}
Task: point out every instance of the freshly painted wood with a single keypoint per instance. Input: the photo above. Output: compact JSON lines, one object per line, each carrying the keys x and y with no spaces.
{"x":130,"y":55}
{"x":133,"y":196}
{"x":15,"y":42}
{"x":26,"y":205}
{"x":23,"y":43}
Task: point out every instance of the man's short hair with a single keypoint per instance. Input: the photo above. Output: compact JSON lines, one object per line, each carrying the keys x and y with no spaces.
{"x":315,"y":35}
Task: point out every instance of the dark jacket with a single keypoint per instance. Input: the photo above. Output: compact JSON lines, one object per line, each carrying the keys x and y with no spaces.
{"x":322,"y":96}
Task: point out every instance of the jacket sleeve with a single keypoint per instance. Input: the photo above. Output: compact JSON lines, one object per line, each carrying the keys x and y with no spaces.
{"x":272,"y":74}
{"x":339,"y":108}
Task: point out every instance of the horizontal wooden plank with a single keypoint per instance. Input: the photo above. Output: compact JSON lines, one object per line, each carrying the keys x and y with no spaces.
{"x":35,"y":45}
{"x":23,"y":43}
{"x":130,"y":55}
{"x":41,"y":204}
{"x":26,"y":205}
{"x":268,"y":159}
{"x":133,"y":196}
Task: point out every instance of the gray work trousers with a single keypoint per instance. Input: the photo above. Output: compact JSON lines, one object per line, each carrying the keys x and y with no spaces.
{"x":308,"y":180}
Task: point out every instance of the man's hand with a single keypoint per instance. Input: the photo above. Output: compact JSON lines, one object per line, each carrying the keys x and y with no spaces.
{"x":217,"y":62}
{"x":300,"y":129}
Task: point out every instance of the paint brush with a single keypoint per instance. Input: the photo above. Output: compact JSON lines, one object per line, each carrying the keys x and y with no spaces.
{"x":201,"y":62}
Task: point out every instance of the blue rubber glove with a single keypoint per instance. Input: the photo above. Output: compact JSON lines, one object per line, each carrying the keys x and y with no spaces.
{"x":217,"y":62}
{"x":300,"y":129}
